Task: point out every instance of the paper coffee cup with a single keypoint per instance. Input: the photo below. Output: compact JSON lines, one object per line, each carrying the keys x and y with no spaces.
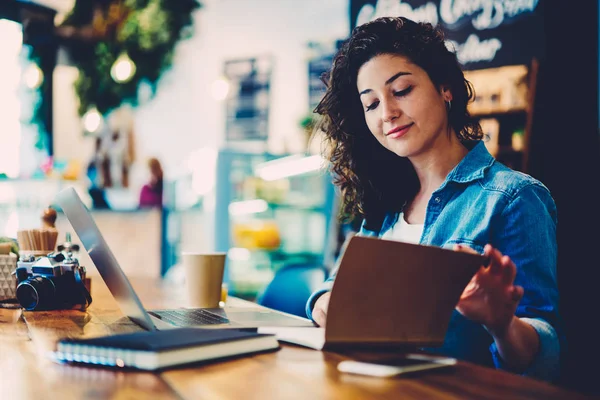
{"x":203,"y":278}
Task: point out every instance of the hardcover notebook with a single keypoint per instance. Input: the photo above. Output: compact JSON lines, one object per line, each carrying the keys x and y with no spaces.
{"x":389,"y":294}
{"x":161,"y":349}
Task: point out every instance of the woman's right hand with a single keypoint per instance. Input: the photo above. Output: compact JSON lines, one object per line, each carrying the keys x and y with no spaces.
{"x":319,"y":313}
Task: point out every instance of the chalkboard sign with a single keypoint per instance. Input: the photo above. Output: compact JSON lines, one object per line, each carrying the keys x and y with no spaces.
{"x":484,"y":33}
{"x":247,"y":105}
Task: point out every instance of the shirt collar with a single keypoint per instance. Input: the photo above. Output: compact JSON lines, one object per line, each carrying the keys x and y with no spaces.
{"x":473,"y":165}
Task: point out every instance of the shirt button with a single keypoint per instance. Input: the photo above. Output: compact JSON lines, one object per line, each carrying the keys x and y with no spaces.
{"x":437,"y":199}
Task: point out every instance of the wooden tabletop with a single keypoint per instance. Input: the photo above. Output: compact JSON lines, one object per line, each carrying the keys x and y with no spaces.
{"x":290,"y":373}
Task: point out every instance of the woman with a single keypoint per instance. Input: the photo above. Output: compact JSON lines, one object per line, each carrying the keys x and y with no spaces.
{"x":409,"y":159}
{"x":151,"y":193}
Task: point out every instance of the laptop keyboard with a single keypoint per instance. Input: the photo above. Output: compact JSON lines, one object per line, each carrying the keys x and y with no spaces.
{"x":189,"y":317}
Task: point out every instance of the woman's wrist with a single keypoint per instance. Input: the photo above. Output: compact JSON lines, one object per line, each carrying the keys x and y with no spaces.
{"x":517,"y":343}
{"x":501,"y":331}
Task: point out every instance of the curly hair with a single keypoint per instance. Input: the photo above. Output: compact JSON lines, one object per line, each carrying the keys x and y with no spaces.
{"x":356,"y":158}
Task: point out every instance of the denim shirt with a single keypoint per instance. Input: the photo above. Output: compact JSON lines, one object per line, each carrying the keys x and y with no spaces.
{"x":482,"y":201}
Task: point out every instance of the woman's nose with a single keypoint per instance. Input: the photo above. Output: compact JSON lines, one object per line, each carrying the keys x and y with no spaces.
{"x":390,"y":111}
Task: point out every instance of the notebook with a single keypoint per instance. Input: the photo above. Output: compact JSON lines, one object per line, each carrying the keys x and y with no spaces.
{"x":153,"y":350}
{"x":389,"y":294}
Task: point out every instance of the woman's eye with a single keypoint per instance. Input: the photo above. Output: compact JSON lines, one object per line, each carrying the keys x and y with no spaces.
{"x":372,"y":106}
{"x":404,"y":92}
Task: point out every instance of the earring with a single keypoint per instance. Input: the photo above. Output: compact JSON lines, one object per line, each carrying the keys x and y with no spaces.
{"x":449,"y":103}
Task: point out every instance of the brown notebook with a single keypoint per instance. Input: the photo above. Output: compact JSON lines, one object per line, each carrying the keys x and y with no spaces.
{"x":390,"y":294}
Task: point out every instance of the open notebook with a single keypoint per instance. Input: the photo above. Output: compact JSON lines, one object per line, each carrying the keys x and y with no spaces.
{"x":389,"y":294}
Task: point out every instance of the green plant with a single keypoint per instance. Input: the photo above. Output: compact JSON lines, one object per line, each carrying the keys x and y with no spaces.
{"x":14,"y":246}
{"x":98,"y":32}
{"x":308,"y":122}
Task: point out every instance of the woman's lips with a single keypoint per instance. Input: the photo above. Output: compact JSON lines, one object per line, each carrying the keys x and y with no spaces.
{"x":399,"y":131}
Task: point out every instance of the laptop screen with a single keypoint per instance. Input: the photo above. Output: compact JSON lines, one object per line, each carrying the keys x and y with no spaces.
{"x":82,"y":222}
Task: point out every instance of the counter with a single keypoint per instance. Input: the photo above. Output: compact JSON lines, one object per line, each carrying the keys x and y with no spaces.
{"x":133,"y":236}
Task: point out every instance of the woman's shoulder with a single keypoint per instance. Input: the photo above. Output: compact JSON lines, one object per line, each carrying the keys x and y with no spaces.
{"x":503,"y":179}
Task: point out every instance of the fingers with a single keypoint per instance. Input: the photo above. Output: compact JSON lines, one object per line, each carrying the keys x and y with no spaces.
{"x":481,"y":275}
{"x":319,"y":313}
{"x":513,"y":296}
{"x":464,"y":249}
{"x":495,"y":258}
{"x":509,"y":270}
{"x":467,"y":249}
{"x":319,"y":317}
{"x":471,"y":287}
{"x":501,"y":264}
{"x":517,"y":293}
{"x":500,"y":267}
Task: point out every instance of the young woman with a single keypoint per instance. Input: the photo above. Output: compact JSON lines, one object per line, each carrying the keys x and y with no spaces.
{"x":409,"y":159}
{"x":152,"y":192}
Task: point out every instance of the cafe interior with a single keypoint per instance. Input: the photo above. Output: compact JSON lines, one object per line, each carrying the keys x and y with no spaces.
{"x":188,"y":126}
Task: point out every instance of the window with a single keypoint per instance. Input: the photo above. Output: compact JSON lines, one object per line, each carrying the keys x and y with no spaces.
{"x":10,"y":106}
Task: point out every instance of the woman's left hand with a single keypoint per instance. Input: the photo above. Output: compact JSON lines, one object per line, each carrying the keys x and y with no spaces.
{"x":491,"y":298}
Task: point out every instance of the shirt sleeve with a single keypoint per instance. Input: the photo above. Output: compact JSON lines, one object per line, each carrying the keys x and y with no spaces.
{"x":310,"y":304}
{"x":529,"y":238}
{"x":328,"y":284}
{"x":546,"y":364}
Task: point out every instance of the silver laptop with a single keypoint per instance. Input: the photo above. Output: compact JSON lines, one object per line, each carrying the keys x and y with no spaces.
{"x":120,"y":287}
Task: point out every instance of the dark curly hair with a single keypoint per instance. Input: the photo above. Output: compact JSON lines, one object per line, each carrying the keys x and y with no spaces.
{"x":357,"y":158}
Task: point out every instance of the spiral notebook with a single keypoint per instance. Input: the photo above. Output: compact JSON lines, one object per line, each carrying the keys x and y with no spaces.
{"x":155,"y":350}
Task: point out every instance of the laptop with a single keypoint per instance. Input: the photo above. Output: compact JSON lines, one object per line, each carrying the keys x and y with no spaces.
{"x":120,"y":287}
{"x":389,"y":294}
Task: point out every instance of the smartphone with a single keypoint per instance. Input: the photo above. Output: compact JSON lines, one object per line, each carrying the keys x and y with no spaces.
{"x":385,"y":369}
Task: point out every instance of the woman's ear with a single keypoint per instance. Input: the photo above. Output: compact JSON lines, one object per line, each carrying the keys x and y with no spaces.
{"x":446,"y":93}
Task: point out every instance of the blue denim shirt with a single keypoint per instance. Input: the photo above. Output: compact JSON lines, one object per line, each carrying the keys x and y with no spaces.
{"x":482,"y":201}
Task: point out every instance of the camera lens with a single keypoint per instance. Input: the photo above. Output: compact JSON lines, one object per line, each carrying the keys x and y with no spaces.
{"x":36,"y":293}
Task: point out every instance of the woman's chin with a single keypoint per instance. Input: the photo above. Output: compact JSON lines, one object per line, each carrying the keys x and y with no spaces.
{"x":400,"y":149}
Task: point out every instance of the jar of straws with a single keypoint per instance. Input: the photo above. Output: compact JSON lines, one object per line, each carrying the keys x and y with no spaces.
{"x":39,"y":242}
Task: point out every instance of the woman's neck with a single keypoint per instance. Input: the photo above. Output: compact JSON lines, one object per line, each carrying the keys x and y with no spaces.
{"x":433,"y":167}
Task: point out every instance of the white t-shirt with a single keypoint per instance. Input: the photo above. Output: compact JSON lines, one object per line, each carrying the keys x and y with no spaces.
{"x":402,"y":231}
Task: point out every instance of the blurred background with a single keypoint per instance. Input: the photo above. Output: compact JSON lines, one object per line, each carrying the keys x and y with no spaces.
{"x":187,"y":125}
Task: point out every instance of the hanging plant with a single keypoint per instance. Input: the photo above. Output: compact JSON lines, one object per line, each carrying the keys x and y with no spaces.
{"x":119,"y":44}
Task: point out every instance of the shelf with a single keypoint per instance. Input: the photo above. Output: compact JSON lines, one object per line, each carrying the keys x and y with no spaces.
{"x":278,"y":254}
{"x":504,"y":104}
{"x":276,"y":206}
{"x":280,"y":206}
{"x":282,"y":255}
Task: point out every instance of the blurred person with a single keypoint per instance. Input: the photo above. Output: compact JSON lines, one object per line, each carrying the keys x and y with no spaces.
{"x":95,"y":176}
{"x":115,"y":151}
{"x":152,"y":192}
{"x":410,"y":160}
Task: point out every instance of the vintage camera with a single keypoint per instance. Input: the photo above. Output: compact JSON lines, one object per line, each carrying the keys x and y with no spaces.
{"x":53,"y":282}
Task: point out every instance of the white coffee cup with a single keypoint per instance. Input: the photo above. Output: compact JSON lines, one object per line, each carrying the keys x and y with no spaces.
{"x":203,"y":277}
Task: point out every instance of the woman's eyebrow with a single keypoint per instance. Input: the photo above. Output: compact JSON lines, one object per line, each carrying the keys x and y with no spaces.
{"x":390,"y":80}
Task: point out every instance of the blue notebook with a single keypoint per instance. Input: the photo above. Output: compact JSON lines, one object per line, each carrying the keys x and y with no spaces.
{"x":162,"y":349}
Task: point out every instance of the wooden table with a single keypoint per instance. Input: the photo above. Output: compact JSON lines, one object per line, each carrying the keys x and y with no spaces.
{"x":290,"y":373}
